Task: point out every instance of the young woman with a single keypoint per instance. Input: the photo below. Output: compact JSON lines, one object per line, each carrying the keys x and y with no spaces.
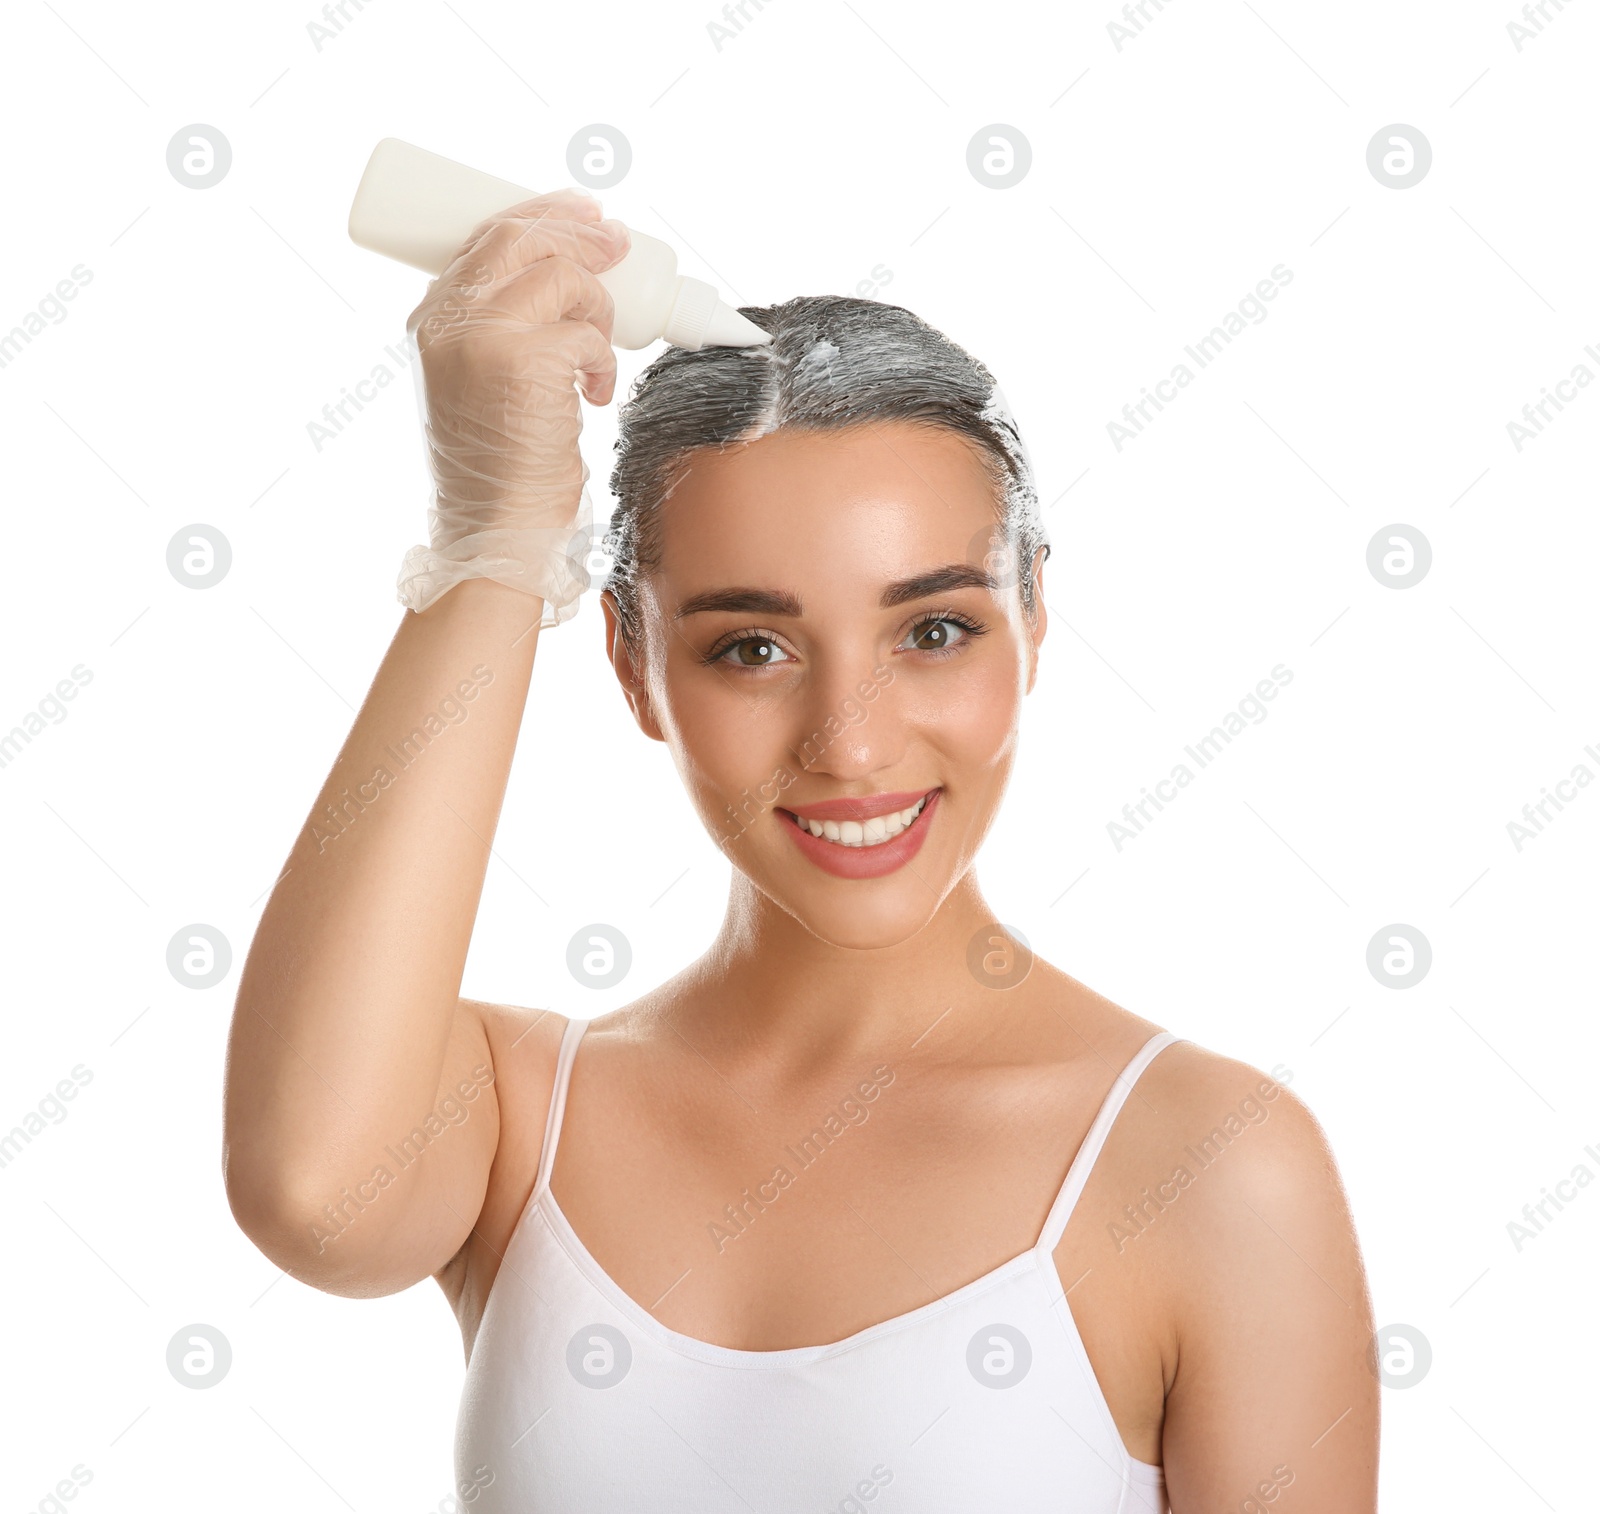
{"x":868,"y":1207}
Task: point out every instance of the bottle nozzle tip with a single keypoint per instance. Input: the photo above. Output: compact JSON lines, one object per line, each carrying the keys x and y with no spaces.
{"x":728,"y":328}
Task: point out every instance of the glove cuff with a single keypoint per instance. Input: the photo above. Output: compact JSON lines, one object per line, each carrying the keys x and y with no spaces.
{"x":550,"y":562}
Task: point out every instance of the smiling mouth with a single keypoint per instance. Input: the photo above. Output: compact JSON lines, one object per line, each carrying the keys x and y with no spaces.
{"x":863,"y":833}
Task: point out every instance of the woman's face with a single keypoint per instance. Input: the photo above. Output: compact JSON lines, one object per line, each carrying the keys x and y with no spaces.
{"x":828,"y":638}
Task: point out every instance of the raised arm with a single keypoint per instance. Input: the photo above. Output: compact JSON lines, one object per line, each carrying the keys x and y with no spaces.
{"x":361,"y":1116}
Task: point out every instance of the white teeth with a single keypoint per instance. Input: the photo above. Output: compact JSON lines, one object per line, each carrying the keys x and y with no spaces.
{"x":872,"y":832}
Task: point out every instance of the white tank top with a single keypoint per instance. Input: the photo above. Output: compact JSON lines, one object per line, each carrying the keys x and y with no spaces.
{"x":577,"y":1399}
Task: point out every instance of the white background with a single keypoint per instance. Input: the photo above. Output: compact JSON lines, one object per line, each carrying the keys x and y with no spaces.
{"x":823,"y":140}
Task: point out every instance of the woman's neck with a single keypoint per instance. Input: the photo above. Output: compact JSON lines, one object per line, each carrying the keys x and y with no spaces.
{"x":778,"y":990}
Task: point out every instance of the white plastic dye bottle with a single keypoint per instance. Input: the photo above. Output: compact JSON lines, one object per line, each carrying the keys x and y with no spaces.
{"x":418,"y":208}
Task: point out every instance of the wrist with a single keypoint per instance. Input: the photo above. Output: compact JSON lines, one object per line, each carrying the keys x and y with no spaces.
{"x":548,"y":562}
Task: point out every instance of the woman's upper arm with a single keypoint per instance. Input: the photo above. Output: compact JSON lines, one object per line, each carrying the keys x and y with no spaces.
{"x":1273,"y":1405}
{"x":404,"y":1210}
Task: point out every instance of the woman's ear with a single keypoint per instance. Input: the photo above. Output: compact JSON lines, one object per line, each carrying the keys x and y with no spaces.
{"x":1038,"y":622}
{"x":628,"y":673}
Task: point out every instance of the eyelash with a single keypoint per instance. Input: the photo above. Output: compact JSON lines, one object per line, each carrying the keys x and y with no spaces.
{"x":971,"y":627}
{"x":736,"y":638}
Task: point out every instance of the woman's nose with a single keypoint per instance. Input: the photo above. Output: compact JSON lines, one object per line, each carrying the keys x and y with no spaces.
{"x":847,"y":726}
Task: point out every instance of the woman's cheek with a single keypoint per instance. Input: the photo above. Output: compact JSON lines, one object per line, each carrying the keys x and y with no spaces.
{"x":972,"y":717}
{"x":724,"y":738}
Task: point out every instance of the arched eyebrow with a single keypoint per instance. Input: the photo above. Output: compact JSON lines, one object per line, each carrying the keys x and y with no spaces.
{"x":945,"y":580}
{"x":755,"y":601}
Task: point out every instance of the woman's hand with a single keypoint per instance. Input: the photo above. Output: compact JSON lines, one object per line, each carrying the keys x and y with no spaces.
{"x":503,"y":334}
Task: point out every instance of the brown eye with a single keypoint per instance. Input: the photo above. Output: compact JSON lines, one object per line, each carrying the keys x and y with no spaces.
{"x":936,"y":635}
{"x":755,"y":652}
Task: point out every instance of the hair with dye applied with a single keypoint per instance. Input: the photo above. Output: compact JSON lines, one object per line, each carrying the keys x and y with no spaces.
{"x":833,"y":362}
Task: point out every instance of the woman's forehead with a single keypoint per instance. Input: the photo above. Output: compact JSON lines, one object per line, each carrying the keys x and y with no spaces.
{"x":905,"y":495}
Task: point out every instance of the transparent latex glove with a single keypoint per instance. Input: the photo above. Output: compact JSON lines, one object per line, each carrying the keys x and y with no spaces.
{"x":502,"y":338}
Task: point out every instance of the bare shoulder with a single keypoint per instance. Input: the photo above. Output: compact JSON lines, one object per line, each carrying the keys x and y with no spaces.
{"x":1228,"y":1188}
{"x":1217,"y":1115}
{"x":1214,"y":1173}
{"x":1189,"y":1096}
{"x":1231,"y":1213}
{"x":1196,"y":1081}
{"x":1198,"y":1132}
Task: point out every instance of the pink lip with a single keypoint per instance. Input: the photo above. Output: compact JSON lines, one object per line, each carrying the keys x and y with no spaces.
{"x":858,"y":809}
{"x":864,"y":861}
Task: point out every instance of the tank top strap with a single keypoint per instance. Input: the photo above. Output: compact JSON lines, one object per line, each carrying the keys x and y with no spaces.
{"x":1078,"y":1174}
{"x":558,"y":1102}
